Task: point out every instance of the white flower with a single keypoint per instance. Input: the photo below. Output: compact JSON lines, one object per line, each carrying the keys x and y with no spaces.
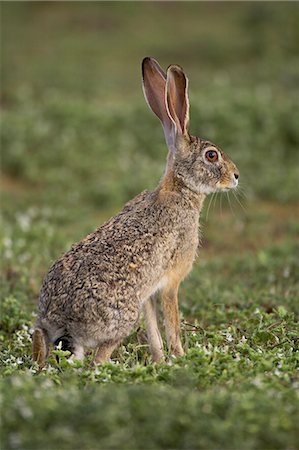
{"x":228,"y":336}
{"x":7,"y":242}
{"x":257,"y":381}
{"x":24,"y":221}
{"x":243,"y":340}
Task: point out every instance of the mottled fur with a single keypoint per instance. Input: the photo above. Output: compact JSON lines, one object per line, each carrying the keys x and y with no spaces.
{"x":93,"y":295}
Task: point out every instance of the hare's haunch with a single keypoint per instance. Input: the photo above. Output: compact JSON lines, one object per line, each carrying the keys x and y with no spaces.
{"x":93,"y":295}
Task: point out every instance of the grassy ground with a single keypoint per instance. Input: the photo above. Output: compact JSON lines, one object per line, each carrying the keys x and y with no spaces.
{"x":78,"y":141}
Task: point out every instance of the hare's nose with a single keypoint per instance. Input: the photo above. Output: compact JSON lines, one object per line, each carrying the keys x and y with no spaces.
{"x":236,"y":175}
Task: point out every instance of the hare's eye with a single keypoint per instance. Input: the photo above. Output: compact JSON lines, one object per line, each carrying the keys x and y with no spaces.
{"x":212,"y":155}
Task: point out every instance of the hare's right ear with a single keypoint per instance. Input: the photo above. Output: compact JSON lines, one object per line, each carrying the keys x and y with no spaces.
{"x":154,"y":89}
{"x":177,"y":99}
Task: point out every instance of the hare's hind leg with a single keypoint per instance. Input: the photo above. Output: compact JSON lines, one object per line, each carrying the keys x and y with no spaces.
{"x":153,"y":334}
{"x":104,"y":352}
{"x":40,"y":346}
{"x":169,"y":296}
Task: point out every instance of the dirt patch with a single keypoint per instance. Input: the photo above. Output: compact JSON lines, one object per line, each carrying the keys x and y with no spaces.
{"x":15,"y":185}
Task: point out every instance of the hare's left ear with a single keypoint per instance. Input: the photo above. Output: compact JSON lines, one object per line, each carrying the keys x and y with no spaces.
{"x":177,"y":99}
{"x":154,"y":89}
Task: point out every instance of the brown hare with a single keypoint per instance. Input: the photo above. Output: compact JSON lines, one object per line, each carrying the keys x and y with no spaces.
{"x":93,"y":295}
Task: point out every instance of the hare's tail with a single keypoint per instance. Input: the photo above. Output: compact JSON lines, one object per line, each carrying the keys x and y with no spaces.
{"x":40,"y":346}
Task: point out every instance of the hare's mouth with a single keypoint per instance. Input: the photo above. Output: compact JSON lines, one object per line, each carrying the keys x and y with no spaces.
{"x":223,"y":185}
{"x":227,"y":185}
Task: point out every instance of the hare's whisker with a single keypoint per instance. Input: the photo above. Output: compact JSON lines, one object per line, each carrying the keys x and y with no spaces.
{"x":215,"y":200}
{"x":230,"y":205}
{"x":239,"y":201}
{"x":209,"y":205}
{"x":241,"y":190}
{"x":221,"y":211}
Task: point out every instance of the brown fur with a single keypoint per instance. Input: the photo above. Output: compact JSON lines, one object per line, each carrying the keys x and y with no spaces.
{"x":93,"y":295}
{"x":39,"y":347}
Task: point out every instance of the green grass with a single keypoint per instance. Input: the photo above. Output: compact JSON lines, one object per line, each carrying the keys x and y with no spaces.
{"x":77,"y":142}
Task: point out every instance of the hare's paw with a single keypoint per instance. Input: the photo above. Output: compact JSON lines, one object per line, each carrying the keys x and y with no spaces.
{"x":158,"y":357}
{"x":177,"y":350}
{"x":104,"y":352}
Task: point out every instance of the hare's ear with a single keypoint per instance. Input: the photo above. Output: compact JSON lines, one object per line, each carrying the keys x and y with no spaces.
{"x":177,"y":99}
{"x":154,"y":88}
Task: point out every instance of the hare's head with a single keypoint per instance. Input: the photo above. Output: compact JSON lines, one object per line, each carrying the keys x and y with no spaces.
{"x":200,"y":165}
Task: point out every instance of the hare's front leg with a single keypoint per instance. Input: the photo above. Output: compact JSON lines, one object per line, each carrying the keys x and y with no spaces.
{"x":153,"y":334}
{"x":169,"y":296}
{"x":104,"y":352}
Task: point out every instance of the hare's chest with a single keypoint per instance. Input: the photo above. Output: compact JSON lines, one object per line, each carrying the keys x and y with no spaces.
{"x":188,"y":241}
{"x":184,"y":254}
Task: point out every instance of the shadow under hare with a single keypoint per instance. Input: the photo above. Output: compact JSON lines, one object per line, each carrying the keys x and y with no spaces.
{"x":93,"y":295}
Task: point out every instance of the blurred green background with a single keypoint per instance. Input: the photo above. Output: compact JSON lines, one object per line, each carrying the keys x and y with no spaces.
{"x":77,"y":141}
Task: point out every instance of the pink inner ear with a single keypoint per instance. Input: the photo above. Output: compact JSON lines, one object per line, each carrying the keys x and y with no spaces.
{"x":177,"y":98}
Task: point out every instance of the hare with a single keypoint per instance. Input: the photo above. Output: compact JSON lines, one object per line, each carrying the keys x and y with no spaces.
{"x":93,"y":295}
